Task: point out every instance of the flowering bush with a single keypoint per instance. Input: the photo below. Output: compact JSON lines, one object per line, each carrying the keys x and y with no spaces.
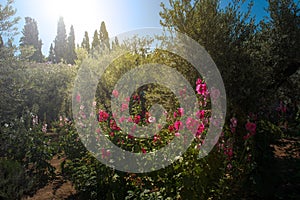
{"x":27,"y":150}
{"x":223,"y":170}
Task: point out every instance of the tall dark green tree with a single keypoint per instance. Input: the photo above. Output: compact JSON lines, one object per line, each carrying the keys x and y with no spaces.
{"x":86,"y":42}
{"x":31,"y":38}
{"x":96,"y":41}
{"x":11,"y":101}
{"x":103,"y":36}
{"x":227,"y":34}
{"x":280,"y":40}
{"x":51,"y":56}
{"x":71,"y":55}
{"x":60,"y":42}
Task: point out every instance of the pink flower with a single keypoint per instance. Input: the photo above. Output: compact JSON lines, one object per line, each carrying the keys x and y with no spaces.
{"x":122,"y":119}
{"x":229,"y":166}
{"x":127,"y":99}
{"x":103,"y":116}
{"x":129,"y":119}
{"x":178,"y":125}
{"x":144,"y":150}
{"x":192,"y":124}
{"x":151,"y":119}
{"x":201,"y":87}
{"x":233,"y":121}
{"x":177,"y":134}
{"x":251,"y":127}
{"x":199,"y":81}
{"x":180,"y":112}
{"x":44,"y":128}
{"x":200,"y":114}
{"x":78,"y":98}
{"x":175,"y":114}
{"x":124,"y":106}
{"x":200,"y":130}
{"x":115,"y":93}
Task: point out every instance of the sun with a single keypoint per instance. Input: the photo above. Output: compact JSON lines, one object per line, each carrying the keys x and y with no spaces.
{"x":73,"y":12}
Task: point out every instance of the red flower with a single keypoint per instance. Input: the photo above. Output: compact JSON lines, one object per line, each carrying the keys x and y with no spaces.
{"x":130,"y":136}
{"x":113,"y":125}
{"x":171,"y":128}
{"x":251,"y":127}
{"x":103,"y":116}
{"x":137,"y":119}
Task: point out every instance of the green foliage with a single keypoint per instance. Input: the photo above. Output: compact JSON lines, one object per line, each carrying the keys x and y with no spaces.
{"x":81,"y":54}
{"x":71,"y":56}
{"x":25,"y":148}
{"x":7,"y":20}
{"x":103,"y":36}
{"x":49,"y":87}
{"x":96,"y":41}
{"x":51,"y":57}
{"x":86,"y":42}
{"x":12,"y":179}
{"x":60,"y":42}
{"x":31,"y":38}
{"x":227,"y":34}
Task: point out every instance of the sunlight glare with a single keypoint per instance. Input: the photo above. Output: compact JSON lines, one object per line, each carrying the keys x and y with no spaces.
{"x":73,"y":12}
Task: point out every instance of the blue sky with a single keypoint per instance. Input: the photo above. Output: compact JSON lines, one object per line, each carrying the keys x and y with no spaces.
{"x":86,"y":15}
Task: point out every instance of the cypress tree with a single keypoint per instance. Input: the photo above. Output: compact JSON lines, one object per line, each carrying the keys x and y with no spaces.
{"x":96,"y":41}
{"x":31,"y":38}
{"x":71,"y":57}
{"x":60,"y":42}
{"x":51,"y":56}
{"x":103,"y":36}
{"x":86,"y":42}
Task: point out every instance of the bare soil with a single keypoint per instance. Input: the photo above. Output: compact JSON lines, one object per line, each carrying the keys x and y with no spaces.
{"x":56,"y":189}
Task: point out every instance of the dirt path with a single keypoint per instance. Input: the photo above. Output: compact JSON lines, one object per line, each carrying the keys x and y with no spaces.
{"x":286,"y":168}
{"x":56,"y":189}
